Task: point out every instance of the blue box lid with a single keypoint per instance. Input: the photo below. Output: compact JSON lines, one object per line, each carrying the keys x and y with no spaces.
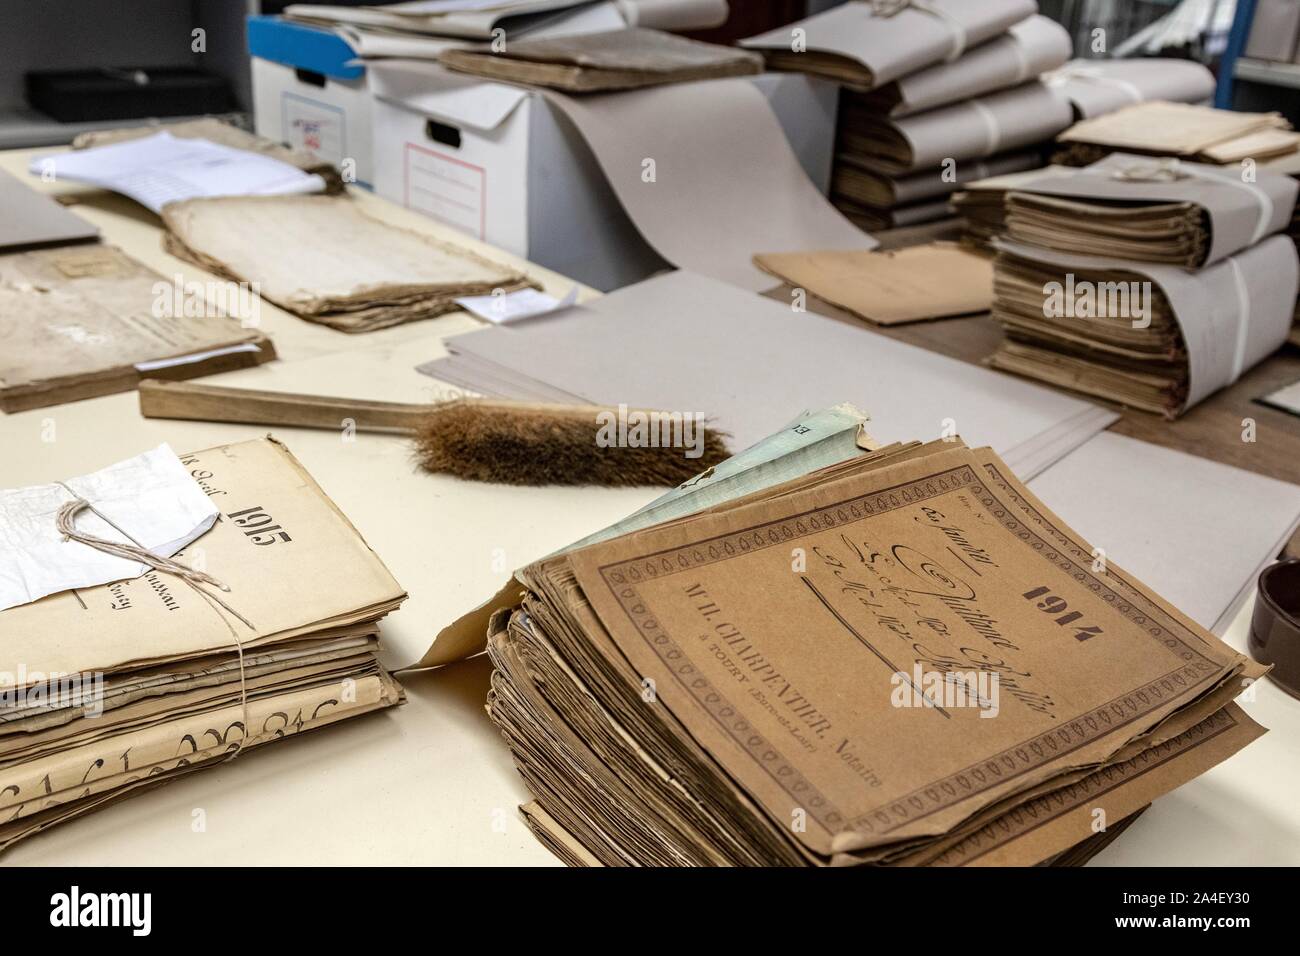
{"x":303,"y":47}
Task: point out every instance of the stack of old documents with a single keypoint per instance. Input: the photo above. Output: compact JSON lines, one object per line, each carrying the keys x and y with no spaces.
{"x":87,"y":320}
{"x":325,"y":260}
{"x":947,"y":92}
{"x":1178,"y":129}
{"x":1151,"y":283}
{"x":829,"y":653}
{"x":615,"y":60}
{"x":121,"y":674}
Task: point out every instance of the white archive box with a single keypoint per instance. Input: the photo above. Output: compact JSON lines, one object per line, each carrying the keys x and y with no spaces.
{"x":311,"y":92}
{"x":503,"y":164}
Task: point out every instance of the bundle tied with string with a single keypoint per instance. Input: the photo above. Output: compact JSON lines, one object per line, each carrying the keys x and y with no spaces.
{"x":65,"y":520}
{"x":865,"y":44}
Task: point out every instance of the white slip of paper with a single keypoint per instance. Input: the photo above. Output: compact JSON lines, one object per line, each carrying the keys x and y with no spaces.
{"x":160,"y":169}
{"x":504,"y":307}
{"x":151,"y":497}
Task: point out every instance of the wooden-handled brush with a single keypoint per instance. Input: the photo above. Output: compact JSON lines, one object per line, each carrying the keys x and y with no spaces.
{"x":520,"y":443}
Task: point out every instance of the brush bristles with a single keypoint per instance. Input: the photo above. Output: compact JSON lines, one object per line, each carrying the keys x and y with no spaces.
{"x":523,"y":445}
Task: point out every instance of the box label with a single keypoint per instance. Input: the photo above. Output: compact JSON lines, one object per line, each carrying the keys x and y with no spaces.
{"x":445,"y":188}
{"x":317,"y":127}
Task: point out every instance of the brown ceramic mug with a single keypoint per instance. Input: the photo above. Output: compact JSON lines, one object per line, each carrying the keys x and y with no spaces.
{"x":1275,"y":625}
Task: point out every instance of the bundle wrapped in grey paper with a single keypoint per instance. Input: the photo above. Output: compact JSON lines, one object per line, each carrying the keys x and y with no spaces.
{"x":1153,"y":210}
{"x":1152,"y":337}
{"x":1097,"y":87}
{"x":1029,"y":48}
{"x":975,"y":129}
{"x":854,"y":183}
{"x":867,"y":44}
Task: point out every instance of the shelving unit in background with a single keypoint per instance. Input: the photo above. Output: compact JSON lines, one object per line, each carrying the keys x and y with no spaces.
{"x":89,"y":34}
{"x":1251,"y":84}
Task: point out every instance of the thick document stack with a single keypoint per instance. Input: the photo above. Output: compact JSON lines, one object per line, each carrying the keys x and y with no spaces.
{"x":904,"y":147}
{"x":323,"y":259}
{"x":120,"y":686}
{"x":1151,"y":283}
{"x":88,"y":320}
{"x":615,"y":60}
{"x":1165,"y":211}
{"x":900,"y":657}
{"x":982,"y":204}
{"x":1184,"y":130}
{"x":944,"y":93}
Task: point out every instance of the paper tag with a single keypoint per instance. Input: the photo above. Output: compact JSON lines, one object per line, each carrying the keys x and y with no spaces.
{"x":506,"y":307}
{"x":151,"y":497}
{"x":193,"y":358}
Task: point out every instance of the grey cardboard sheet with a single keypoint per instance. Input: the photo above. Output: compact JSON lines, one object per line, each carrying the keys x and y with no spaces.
{"x":1285,"y":399}
{"x":981,"y":127}
{"x":1097,"y":87}
{"x":30,"y":218}
{"x":684,"y":342}
{"x":894,"y":45}
{"x":1029,"y":48}
{"x":1232,"y":315}
{"x":726,"y":183}
{"x":1174,"y":521}
{"x":1241,"y":214}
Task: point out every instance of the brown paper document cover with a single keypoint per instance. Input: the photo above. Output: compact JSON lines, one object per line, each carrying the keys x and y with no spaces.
{"x":81,"y":321}
{"x":794,"y":676}
{"x":326,"y":261}
{"x":618,"y":60}
{"x":1161,"y":128}
{"x":934,"y":281}
{"x":158,"y":678}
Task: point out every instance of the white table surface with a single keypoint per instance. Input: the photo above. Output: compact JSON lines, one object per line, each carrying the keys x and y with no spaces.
{"x":431,"y":782}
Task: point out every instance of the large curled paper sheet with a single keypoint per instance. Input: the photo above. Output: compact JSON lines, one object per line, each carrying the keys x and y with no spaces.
{"x":708,"y":177}
{"x":1135,"y":501}
{"x":159,"y":169}
{"x":151,"y":497}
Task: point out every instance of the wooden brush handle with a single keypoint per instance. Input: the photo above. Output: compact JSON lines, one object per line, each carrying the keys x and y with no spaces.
{"x":193,"y":401}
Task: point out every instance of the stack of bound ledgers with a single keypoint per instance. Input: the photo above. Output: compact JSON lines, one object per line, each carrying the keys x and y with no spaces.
{"x":847,"y":654}
{"x":81,"y":321}
{"x":1149,"y":282}
{"x":943,"y":93}
{"x":121,"y":676}
{"x":327,"y":261}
